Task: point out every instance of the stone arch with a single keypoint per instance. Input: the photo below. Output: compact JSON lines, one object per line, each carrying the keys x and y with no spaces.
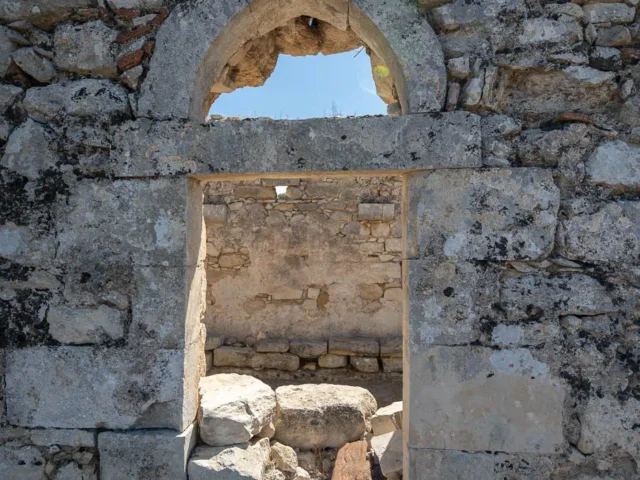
{"x":200,"y":38}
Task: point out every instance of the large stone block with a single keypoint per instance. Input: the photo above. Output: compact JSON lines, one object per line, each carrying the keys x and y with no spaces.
{"x":615,"y":164}
{"x":145,"y":454}
{"x":85,"y":387}
{"x":268,"y":146}
{"x":72,"y":54}
{"x":502,"y":214}
{"x":478,"y":399}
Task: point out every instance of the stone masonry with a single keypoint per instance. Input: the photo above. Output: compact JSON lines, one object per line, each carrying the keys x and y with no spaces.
{"x":514,"y":128}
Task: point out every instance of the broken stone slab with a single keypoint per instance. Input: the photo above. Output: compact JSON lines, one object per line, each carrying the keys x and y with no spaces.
{"x":332,"y":361}
{"x":87,"y":387}
{"x":237,"y":462}
{"x":470,"y":215}
{"x":391,"y":347}
{"x":276,"y":361}
{"x":233,"y":356}
{"x":272,"y":345}
{"x":388,"y":449}
{"x":354,"y":346}
{"x":100,"y":100}
{"x":308,"y":349}
{"x":46,"y":437}
{"x":72,"y":54}
{"x":30,"y":150}
{"x":234,"y":408}
{"x":78,"y":326}
{"x":365,"y":364}
{"x":319,"y":416}
{"x":135,"y":453}
{"x":387,"y":419}
{"x":461,"y":398}
{"x":370,"y":143}
{"x":615,"y":164}
{"x":392,"y":365}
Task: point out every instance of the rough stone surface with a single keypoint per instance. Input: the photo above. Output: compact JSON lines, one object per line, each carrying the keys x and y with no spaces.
{"x":139,"y":454}
{"x":308,"y":349}
{"x":234,"y":408}
{"x":34,"y":65}
{"x":387,"y":419}
{"x":312,"y":416}
{"x":284,"y":457}
{"x":615,"y":164}
{"x":232,"y":357}
{"x":332,"y":361}
{"x":73,"y":55}
{"x":277,"y":361}
{"x":29,"y":150}
{"x":239,"y":462}
{"x":365,"y":364}
{"x":42,"y":14}
{"x":21,"y":463}
{"x":354,"y":346}
{"x":388,"y":450}
{"x":85,"y":325}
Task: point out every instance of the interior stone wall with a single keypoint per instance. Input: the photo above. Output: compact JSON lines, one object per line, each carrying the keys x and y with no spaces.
{"x":323,"y":261}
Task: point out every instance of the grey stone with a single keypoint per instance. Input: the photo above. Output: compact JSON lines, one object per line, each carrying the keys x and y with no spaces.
{"x":605,"y":58}
{"x":131,"y":78}
{"x":365,"y":364}
{"x":72,"y":438}
{"x":78,"y":326}
{"x":84,"y":387}
{"x":562,"y":147}
{"x":215,"y":213}
{"x":21,"y":463}
{"x":30,"y":150}
{"x":500,"y":125}
{"x":616,"y":36}
{"x":388,"y":449}
{"x":452,"y":464}
{"x":100,"y":100}
{"x":376,"y":211}
{"x":45,"y":15}
{"x":459,"y":67}
{"x":7,"y":47}
{"x":34,"y":65}
{"x":234,"y":408}
{"x":469,"y":215}
{"x":387,"y":419}
{"x":462,"y":398}
{"x":272,"y":345}
{"x":609,"y":13}
{"x":392,"y":365}
{"x":9,"y":95}
{"x":472,"y":91}
{"x":144,"y":148}
{"x":589,"y":76}
{"x":319,"y":416}
{"x":450,"y":17}
{"x":391,"y":347}
{"x":354,"y":346}
{"x":233,"y":356}
{"x":144,"y":454}
{"x":73,"y":55}
{"x":538,"y":31}
{"x":308,"y":349}
{"x":237,"y":462}
{"x":276,"y":361}
{"x":615,"y":164}
{"x":142,"y":4}
{"x":630,"y":112}
{"x":332,"y":361}
{"x":611,"y":234}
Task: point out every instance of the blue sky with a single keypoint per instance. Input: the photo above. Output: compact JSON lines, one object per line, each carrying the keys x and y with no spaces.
{"x":308,"y":87}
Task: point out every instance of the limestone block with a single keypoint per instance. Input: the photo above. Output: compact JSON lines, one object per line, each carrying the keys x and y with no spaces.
{"x":388,"y":450}
{"x":77,"y":326}
{"x":215,"y":213}
{"x":233,"y":356}
{"x":308,"y":349}
{"x":371,"y":291}
{"x":354,"y":346}
{"x":280,"y":182}
{"x":282,"y":292}
{"x":392,"y":365}
{"x":284,"y":457}
{"x":391,"y":347}
{"x":137,"y":453}
{"x":100,"y":100}
{"x":72,"y":54}
{"x":238,"y":462}
{"x":311,"y":416}
{"x":610,"y":234}
{"x":29,"y":150}
{"x":276,"y":361}
{"x":255,"y":191}
{"x":234,"y":408}
{"x":43,"y":15}
{"x":332,"y":361}
{"x":393,"y":245}
{"x":162,"y":148}
{"x":365,"y":364}
{"x":394,"y":295}
{"x":387,"y":419}
{"x":462,"y":398}
{"x":34,"y":65}
{"x":376,"y":211}
{"x":23,"y":463}
{"x":451,"y":464}
{"x":272,"y":345}
{"x":615,"y":164}
{"x":498,"y":214}
{"x":608,"y":13}
{"x":85,"y":387}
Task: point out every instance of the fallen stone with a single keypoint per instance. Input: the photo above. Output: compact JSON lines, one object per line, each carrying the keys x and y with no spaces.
{"x":72,"y":54}
{"x":388,"y":450}
{"x":319,"y":416}
{"x":392,"y":365}
{"x":608,"y":13}
{"x":615,"y":164}
{"x":34,"y":65}
{"x":234,"y":408}
{"x":78,"y":326}
{"x":352,"y":462}
{"x":232,"y":356}
{"x":354,"y":346}
{"x":100,"y":100}
{"x":332,"y":361}
{"x":30,"y":150}
{"x":275,"y":361}
{"x":365,"y":364}
{"x":308,"y":349}
{"x":238,"y":462}
{"x":387,"y":419}
{"x":44,"y":15}
{"x":135,"y":453}
{"x":272,"y":345}
{"x":284,"y":457}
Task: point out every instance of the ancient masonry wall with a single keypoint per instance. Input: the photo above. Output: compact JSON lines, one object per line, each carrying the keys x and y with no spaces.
{"x":521,"y":263}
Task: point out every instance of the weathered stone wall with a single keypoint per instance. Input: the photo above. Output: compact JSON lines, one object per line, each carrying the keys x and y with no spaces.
{"x":522,"y":277}
{"x":323,"y":261}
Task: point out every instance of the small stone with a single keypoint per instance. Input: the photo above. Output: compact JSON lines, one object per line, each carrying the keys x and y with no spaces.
{"x":630,"y":111}
{"x":72,"y":52}
{"x":354,"y":346}
{"x":127,"y":62}
{"x":459,"y":67}
{"x":575,"y":117}
{"x":453,"y":96}
{"x":237,"y":462}
{"x":352,"y":462}
{"x":472,"y":91}
{"x":380,"y":229}
{"x":284,"y":457}
{"x":285,"y":293}
{"x":231,"y":260}
{"x":272,"y":345}
{"x":387,"y":419}
{"x":29,"y":150}
{"x":371,"y":291}
{"x":332,"y":361}
{"x":616,"y":36}
{"x":391,"y":347}
{"x":90,"y":325}
{"x":308,"y":349}
{"x":605,"y":58}
{"x":9,"y":95}
{"x":37,"y":67}
{"x":208,"y":360}
{"x":365,"y":364}
{"x":275,"y":361}
{"x":255,"y":191}
{"x":589,"y":76}
{"x":213,"y":341}
{"x":392,"y":365}
{"x":7,"y":47}
{"x":590,"y":34}
{"x":313,"y":293}
{"x":394,"y":295}
{"x":232,"y":356}
{"x":131,"y":78}
{"x":301,"y":474}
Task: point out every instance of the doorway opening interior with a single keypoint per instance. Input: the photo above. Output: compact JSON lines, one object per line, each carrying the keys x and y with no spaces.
{"x":304,"y":280}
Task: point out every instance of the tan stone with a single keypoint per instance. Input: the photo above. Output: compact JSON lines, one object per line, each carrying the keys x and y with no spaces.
{"x":393,"y":244}
{"x":394,"y":295}
{"x":376,"y":211}
{"x":380,"y":229}
{"x":371,"y":291}
{"x":332,"y":361}
{"x":230,"y":260}
{"x":232,"y":357}
{"x":255,"y":191}
{"x":365,"y":364}
{"x":308,"y":349}
{"x":285,"y":293}
{"x":354,"y":346}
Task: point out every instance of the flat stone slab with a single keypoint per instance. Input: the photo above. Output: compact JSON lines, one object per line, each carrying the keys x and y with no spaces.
{"x":479,"y":399}
{"x":615,"y":164}
{"x":134,"y":454}
{"x":354,"y":346}
{"x":442,"y":140}
{"x":308,"y":349}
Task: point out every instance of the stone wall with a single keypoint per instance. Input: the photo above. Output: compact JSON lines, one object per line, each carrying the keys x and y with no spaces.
{"x":522,"y":268}
{"x":323,"y":261}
